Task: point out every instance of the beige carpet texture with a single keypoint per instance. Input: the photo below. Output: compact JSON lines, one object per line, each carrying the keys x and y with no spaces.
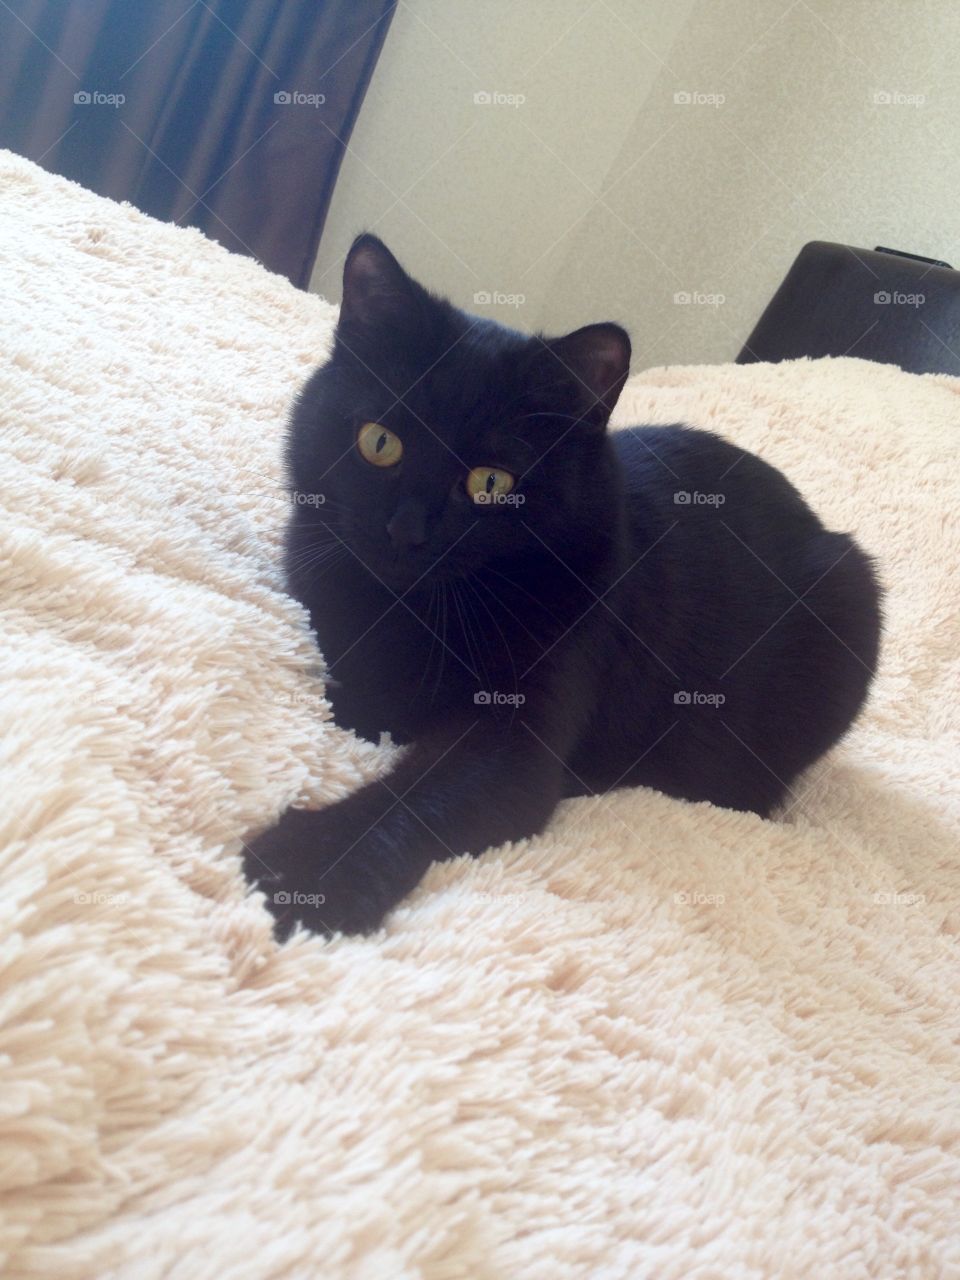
{"x":662,"y":1040}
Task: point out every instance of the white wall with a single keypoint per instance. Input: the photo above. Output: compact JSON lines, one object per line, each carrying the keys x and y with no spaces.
{"x":600,"y":196}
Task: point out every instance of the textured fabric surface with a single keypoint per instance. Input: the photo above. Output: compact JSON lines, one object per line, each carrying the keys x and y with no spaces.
{"x":662,"y":1040}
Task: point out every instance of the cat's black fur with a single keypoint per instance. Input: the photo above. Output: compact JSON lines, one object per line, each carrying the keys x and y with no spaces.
{"x":618,"y":612}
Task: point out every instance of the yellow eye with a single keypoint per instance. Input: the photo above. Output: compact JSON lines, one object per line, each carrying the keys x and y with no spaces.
{"x":379,"y":445}
{"x":489,"y":484}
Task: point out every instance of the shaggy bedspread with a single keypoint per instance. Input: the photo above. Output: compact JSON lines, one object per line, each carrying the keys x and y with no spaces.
{"x":663,"y":1040}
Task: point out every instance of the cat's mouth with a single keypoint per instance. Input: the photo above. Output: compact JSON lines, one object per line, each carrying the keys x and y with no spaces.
{"x":397,"y":570}
{"x":406,"y":569}
{"x":413,"y":572}
{"x":409,"y":575}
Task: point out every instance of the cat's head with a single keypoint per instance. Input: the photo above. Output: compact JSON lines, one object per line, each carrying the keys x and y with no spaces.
{"x":434,"y":443}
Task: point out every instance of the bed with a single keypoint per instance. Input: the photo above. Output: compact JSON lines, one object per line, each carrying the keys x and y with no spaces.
{"x":660,"y":1040}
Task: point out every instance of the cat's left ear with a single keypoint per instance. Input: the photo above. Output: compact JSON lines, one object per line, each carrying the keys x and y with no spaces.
{"x":595,"y":361}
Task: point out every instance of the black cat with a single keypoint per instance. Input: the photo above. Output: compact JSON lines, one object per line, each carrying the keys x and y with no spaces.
{"x":539,"y":608}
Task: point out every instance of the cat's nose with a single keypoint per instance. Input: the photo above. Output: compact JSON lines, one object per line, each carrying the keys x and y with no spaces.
{"x":408,"y":526}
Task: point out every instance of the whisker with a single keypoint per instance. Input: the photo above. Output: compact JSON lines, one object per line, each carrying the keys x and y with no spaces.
{"x":479,"y":629}
{"x":478,"y":582}
{"x":443,"y":639}
{"x":510,"y":582}
{"x":433,"y":616}
{"x":328,"y":564}
{"x":314,"y":555}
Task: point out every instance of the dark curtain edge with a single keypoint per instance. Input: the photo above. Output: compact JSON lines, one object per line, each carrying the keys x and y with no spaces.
{"x":382,"y":25}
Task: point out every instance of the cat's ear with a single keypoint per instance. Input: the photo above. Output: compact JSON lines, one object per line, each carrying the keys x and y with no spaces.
{"x":376,"y":289}
{"x":594,"y":361}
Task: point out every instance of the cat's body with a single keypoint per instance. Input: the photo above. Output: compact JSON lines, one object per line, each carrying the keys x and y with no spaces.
{"x":651,"y":607}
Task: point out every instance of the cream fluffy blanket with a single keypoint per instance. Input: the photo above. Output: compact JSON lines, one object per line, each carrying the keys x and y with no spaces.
{"x":661,"y":1041}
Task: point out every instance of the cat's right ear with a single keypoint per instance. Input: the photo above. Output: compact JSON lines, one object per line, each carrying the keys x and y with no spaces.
{"x":376,"y":289}
{"x":592,"y":363}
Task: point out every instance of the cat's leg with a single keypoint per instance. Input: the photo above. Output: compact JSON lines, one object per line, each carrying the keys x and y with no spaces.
{"x":465,"y":787}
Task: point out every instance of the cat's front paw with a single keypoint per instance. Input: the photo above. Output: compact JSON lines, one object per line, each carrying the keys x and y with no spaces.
{"x":314,"y":872}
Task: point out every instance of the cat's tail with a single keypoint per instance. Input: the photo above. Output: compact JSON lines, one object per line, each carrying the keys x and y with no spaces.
{"x":842,"y":592}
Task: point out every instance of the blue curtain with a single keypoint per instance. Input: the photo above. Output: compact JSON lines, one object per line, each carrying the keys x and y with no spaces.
{"x":228,"y":115}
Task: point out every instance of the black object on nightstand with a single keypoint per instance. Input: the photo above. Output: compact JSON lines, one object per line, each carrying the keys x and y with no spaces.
{"x":878,"y":304}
